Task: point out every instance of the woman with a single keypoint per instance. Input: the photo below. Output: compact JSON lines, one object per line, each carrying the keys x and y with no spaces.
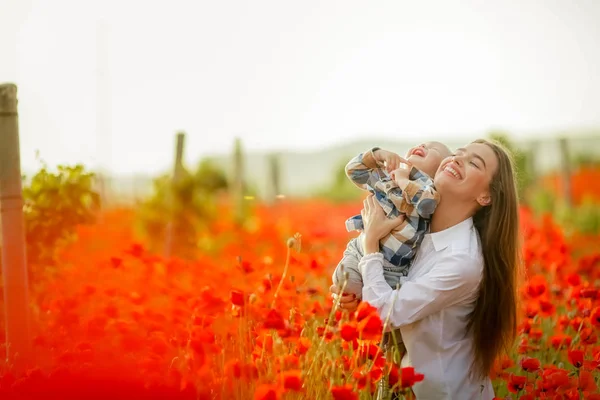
{"x":457,"y":309}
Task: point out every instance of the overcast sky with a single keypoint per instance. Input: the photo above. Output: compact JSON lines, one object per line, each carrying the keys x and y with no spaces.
{"x":110,"y":82}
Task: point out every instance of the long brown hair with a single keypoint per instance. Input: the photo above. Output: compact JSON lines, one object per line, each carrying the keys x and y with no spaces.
{"x":493,"y":322}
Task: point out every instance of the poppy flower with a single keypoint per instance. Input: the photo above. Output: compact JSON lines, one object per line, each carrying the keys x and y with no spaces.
{"x":303,"y":345}
{"x":274,"y":320}
{"x":266,"y":392}
{"x":237,"y":298}
{"x":364,"y":310}
{"x":345,"y":392}
{"x":370,"y":327}
{"x":408,"y":377}
{"x":348,"y":332}
{"x":576,"y":357}
{"x":292,"y":380}
{"x":516,"y":383}
{"x":595,"y":317}
{"x":530,"y":364}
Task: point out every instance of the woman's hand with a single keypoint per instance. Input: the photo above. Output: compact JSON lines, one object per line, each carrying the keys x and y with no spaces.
{"x":376,"y":224}
{"x":348,"y":302}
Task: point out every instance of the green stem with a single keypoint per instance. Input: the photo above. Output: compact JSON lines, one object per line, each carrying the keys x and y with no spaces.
{"x":285,"y":270}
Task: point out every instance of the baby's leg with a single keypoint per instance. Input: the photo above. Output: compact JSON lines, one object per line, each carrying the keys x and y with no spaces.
{"x":393,"y":278}
{"x":394,"y":275}
{"x":349,"y":266}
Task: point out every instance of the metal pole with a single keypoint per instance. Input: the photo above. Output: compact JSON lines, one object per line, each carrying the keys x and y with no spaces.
{"x":14,"y":263}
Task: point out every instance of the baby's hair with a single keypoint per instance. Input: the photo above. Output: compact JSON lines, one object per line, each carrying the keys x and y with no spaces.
{"x":443,"y":149}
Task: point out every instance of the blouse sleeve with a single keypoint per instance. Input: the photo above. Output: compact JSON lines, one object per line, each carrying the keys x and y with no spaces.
{"x":453,"y":279}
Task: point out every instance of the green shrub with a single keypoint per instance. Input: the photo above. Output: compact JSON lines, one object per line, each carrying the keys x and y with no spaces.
{"x":54,"y":204}
{"x":583,"y":218}
{"x":187,"y":206}
{"x":521,"y":160}
{"x":341,"y":189}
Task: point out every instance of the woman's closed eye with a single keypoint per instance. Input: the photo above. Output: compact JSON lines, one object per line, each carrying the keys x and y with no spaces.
{"x":472,"y":162}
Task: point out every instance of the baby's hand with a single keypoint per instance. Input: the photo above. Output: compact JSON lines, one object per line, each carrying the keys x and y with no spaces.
{"x":391,"y":160}
{"x":400,"y":176}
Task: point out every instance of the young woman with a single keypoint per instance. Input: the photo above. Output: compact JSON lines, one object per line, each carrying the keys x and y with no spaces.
{"x":457,"y":309}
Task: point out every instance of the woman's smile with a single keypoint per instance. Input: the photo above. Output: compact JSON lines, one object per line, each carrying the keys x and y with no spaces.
{"x":449,"y":170}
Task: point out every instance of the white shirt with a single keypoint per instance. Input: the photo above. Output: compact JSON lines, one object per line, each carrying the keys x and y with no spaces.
{"x":430,"y":309}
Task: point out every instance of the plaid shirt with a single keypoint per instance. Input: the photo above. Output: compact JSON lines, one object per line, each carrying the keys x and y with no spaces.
{"x":417,"y":201}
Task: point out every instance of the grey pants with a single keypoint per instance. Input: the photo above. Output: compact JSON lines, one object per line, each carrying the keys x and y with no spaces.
{"x":391,"y":344}
{"x":349,"y":266}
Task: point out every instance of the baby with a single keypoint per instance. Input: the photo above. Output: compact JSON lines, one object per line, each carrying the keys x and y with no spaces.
{"x":398,"y":191}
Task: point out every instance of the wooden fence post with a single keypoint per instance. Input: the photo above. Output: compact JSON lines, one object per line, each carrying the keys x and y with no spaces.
{"x":566,"y":170}
{"x":532,"y":160}
{"x":14,"y":258}
{"x":238,"y":180}
{"x":274,"y":178}
{"x":177,"y":175}
{"x":178,"y":167}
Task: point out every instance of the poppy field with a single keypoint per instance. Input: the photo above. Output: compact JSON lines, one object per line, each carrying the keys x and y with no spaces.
{"x":250,"y":317}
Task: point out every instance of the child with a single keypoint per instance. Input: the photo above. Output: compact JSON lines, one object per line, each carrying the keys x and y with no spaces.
{"x":404,"y":191}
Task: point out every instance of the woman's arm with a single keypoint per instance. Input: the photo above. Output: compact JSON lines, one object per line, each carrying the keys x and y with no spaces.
{"x":453,"y":279}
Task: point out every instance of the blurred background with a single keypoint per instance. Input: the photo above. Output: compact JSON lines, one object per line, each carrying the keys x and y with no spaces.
{"x":270,"y":99}
{"x":172,"y":150}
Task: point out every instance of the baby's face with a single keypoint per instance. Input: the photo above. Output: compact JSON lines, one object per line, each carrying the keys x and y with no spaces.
{"x":428,"y":156}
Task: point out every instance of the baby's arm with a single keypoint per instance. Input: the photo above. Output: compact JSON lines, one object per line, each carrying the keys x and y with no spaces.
{"x":363,"y":169}
{"x":418,"y":190}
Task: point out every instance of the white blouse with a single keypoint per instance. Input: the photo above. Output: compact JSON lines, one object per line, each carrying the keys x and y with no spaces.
{"x":430,"y":309}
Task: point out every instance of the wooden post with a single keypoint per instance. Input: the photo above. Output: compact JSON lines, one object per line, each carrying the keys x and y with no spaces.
{"x":178,"y":167}
{"x":532,"y":160}
{"x":14,"y":258}
{"x":177,"y":175}
{"x":566,"y":170}
{"x":238,"y":180}
{"x":274,"y":178}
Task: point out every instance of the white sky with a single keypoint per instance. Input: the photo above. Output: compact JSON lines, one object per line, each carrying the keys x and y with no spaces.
{"x":290,"y":74}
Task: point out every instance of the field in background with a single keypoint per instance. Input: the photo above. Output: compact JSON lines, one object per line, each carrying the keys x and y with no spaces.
{"x":245,"y":317}
{"x":301,"y":173}
{"x":208,"y":289}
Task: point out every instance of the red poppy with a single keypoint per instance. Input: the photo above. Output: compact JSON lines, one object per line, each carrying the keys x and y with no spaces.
{"x":516,"y":383}
{"x":560,"y":340}
{"x":266,"y":392}
{"x":588,"y":336}
{"x":530,"y":364}
{"x":345,"y":392}
{"x":274,"y":320}
{"x":303,"y":345}
{"x":364,"y":310}
{"x":348,"y":332}
{"x":292,"y":380}
{"x":370,"y":327}
{"x":574,"y":279}
{"x":595,"y":317}
{"x":408,"y":377}
{"x":237,"y":298}
{"x":536,"y":286}
{"x":576,"y":357}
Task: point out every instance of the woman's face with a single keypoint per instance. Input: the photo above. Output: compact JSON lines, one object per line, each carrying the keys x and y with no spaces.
{"x":467,"y":174}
